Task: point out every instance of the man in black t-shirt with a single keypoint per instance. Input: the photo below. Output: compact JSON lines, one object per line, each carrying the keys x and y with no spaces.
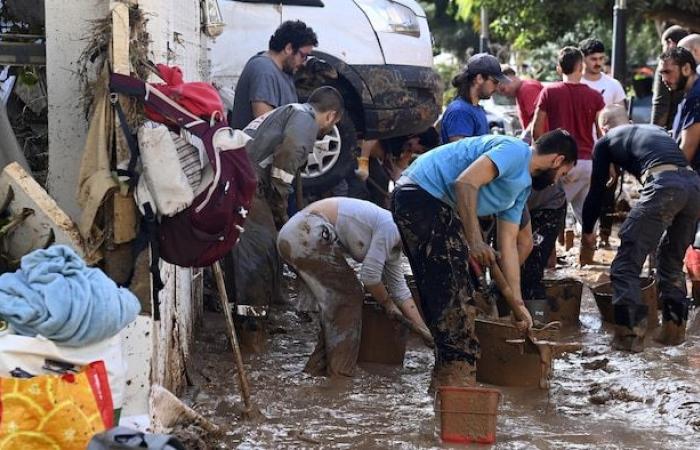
{"x":668,"y":207}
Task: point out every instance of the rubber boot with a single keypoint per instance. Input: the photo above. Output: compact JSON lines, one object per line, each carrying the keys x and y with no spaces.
{"x":252,"y":334}
{"x":454,"y":373}
{"x":675,"y":317}
{"x":630,"y":327}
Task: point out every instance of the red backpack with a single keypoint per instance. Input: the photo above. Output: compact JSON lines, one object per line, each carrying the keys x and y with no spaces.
{"x":206,"y":230}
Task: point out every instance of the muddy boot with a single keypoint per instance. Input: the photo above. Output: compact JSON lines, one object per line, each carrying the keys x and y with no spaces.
{"x":629,"y":339}
{"x":630,"y":327}
{"x":586,"y":255}
{"x":252,"y":334}
{"x":675,"y":316}
{"x":455,"y":373}
{"x":568,"y":239}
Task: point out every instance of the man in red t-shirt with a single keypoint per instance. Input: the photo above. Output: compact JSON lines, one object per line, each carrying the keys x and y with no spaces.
{"x":525,"y":92}
{"x":574,"y":107}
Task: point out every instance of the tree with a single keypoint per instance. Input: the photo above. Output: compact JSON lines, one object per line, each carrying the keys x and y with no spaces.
{"x":531,"y":23}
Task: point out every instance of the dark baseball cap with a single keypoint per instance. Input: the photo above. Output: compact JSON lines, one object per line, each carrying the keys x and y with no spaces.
{"x":485,"y":64}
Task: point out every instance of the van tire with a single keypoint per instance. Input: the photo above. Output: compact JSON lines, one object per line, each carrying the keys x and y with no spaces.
{"x":317,"y":180}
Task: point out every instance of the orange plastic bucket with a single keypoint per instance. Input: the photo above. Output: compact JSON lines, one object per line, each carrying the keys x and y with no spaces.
{"x":468,"y":414}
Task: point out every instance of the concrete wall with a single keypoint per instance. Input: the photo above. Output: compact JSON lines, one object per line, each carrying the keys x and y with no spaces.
{"x":67,"y":22}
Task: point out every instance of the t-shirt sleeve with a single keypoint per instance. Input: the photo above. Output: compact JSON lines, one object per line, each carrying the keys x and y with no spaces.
{"x":543,"y":100}
{"x":375,"y":259}
{"x":690,"y":112}
{"x":264,"y":88}
{"x":514,"y":214}
{"x":619,"y":93}
{"x":458,"y":122}
{"x":505,"y":160}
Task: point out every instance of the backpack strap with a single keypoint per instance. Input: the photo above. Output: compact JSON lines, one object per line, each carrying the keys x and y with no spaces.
{"x":131,"y":143}
{"x":148,"y":235}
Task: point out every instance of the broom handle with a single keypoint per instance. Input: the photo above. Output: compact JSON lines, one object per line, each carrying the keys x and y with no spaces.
{"x":223,"y":297}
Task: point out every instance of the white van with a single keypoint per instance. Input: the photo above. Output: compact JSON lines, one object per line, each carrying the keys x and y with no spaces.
{"x":378,"y":53}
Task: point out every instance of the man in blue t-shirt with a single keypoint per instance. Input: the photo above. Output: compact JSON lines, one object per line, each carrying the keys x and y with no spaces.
{"x":436,"y":205}
{"x":463,"y":117}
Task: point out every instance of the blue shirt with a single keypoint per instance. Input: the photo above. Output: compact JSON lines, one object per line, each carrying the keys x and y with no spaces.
{"x":437,"y":170}
{"x":461,"y":118}
{"x":689,"y":115}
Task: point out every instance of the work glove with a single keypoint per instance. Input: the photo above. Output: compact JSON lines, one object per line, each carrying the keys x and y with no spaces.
{"x":362,"y":170}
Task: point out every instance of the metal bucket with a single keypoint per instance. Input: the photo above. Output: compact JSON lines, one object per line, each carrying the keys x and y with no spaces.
{"x":603,"y":298}
{"x":564,"y":297}
{"x":383,"y":341}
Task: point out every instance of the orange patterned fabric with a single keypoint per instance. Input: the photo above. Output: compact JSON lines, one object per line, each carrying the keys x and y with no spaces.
{"x":59,"y":412}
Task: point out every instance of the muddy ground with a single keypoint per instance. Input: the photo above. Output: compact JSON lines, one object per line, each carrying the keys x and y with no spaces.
{"x":599,"y":398}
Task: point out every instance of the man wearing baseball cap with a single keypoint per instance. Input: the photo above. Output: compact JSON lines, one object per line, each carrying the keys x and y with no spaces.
{"x":463,"y":116}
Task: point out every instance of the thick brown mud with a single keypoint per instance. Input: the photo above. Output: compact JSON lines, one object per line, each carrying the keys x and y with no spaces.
{"x":599,"y":398}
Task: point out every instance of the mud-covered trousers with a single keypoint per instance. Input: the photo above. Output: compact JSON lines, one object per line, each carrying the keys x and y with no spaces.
{"x":666,"y":215}
{"x":308,"y":242}
{"x":437,"y":251}
{"x":546,"y":225}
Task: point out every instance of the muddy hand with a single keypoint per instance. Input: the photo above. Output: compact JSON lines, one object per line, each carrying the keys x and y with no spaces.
{"x":522,"y":319}
{"x":483,"y":253}
{"x":425,"y":335}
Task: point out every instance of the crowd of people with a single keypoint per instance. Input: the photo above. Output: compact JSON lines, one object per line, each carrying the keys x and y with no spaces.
{"x":450,"y":181}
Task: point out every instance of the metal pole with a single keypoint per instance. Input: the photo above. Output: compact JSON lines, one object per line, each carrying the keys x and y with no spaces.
{"x":619,"y":52}
{"x":484,"y":41}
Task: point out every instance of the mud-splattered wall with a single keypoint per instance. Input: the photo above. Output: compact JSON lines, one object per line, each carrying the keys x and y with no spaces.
{"x":174,"y":26}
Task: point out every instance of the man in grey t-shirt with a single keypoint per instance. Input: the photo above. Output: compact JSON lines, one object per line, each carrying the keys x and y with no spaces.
{"x":282,"y":141}
{"x":267,"y":80}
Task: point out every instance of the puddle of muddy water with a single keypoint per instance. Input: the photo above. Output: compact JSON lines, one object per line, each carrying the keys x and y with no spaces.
{"x":649,"y":400}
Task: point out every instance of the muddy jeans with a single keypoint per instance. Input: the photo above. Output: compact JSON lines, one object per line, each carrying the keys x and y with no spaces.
{"x":669,"y":205}
{"x":433,"y":241}
{"x":308,"y":243}
{"x":254,"y":267}
{"x":546,"y":224}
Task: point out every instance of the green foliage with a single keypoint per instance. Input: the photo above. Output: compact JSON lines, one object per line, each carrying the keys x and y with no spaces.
{"x":447,"y":71}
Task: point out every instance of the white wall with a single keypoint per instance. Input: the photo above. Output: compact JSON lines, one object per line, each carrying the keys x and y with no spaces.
{"x":67,"y":23}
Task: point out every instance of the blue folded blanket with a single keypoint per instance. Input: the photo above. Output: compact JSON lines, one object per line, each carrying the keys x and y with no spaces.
{"x":56,"y":295}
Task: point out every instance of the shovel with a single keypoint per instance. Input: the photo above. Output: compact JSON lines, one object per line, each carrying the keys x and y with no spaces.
{"x":250,"y":412}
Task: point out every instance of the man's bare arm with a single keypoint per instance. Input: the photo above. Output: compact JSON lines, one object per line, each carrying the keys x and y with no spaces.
{"x":260,"y":108}
{"x":479,"y":173}
{"x":539,"y":124}
{"x":690,"y":139}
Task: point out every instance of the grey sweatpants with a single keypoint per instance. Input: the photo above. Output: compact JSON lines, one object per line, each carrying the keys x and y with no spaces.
{"x":309,"y":244}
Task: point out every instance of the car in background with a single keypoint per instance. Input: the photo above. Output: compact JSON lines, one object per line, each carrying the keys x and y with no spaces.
{"x":377,"y":53}
{"x":502,"y":115}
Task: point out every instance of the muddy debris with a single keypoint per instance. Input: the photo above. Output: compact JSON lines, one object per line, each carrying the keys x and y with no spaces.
{"x":600,"y":395}
{"x":303,"y":437}
{"x":598,"y":364}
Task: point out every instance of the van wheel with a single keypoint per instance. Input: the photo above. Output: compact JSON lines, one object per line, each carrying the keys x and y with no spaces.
{"x":332,"y":159}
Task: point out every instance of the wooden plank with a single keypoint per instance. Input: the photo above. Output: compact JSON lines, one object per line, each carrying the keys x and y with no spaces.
{"x":120,"y":38}
{"x":47,"y":217}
